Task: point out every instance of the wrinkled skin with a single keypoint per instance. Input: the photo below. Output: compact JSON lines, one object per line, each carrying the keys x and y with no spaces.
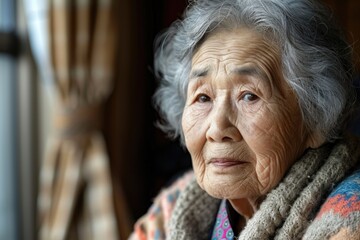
{"x":241,"y":121}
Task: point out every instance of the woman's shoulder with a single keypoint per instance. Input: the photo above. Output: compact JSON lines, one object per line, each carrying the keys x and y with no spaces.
{"x":345,"y":198}
{"x":339,"y":216}
{"x":154,"y":224}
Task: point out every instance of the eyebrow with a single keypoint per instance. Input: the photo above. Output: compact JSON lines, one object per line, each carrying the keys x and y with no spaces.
{"x":250,"y":71}
{"x":241,"y":71}
{"x":199,"y":73}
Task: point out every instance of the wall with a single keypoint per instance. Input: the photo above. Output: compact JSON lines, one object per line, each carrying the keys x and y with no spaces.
{"x":347,"y":13}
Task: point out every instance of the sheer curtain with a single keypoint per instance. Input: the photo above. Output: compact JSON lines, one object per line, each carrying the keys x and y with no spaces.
{"x":74,"y":44}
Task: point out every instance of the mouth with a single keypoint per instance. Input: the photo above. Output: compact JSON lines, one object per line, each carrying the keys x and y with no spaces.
{"x":225,"y":162}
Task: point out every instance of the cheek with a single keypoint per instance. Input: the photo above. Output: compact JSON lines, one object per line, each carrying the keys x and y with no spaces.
{"x":275,"y":129}
{"x":273,"y":137}
{"x":187,"y":122}
{"x":193,"y":125}
{"x":269,"y":154}
{"x":193,"y":117}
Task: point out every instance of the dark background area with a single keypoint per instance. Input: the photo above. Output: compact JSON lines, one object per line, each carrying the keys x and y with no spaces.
{"x":143,"y":159}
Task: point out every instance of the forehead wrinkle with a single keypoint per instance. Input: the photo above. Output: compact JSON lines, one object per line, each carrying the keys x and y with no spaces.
{"x":249,"y":71}
{"x":213,"y":52}
{"x":249,"y":68}
{"x":237,"y":53}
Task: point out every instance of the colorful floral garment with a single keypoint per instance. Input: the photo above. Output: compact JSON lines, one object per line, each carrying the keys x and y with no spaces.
{"x":345,"y":199}
{"x":341,"y":208}
{"x":154,"y":224}
{"x":222,"y":229}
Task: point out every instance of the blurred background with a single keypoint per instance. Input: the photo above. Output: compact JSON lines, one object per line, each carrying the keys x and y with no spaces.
{"x":80,"y":156}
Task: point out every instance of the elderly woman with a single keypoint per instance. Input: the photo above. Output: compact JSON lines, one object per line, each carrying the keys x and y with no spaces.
{"x":260,"y":93}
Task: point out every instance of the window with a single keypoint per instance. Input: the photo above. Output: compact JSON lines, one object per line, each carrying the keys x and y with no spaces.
{"x":9,"y":221}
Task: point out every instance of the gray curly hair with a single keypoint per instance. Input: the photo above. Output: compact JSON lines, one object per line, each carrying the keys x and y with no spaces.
{"x":316,"y":59}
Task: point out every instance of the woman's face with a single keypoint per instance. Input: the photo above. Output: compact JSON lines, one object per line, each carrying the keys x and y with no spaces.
{"x":241,"y":121}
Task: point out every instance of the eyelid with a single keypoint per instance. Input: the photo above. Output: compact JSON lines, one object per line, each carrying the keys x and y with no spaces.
{"x":199,"y":88}
{"x":200,"y":95}
{"x":195,"y":86}
{"x":245,"y":93}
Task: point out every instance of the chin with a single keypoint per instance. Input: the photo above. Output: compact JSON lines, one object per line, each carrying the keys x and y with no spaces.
{"x":219,"y":190}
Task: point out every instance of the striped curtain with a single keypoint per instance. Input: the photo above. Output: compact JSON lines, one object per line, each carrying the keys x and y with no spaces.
{"x":75,"y":198}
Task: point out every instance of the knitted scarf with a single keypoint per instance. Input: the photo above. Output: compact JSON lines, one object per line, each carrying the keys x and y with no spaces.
{"x":286,"y":212}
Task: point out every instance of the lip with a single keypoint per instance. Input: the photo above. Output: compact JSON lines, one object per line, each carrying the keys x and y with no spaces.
{"x":225,"y":162}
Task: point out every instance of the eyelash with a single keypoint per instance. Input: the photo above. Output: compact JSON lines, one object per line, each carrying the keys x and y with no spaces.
{"x":202,"y":98}
{"x":244,"y":95}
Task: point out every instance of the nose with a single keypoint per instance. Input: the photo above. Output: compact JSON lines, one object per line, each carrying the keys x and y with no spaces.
{"x":222,"y":127}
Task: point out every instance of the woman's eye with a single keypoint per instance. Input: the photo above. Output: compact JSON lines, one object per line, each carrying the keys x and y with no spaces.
{"x":203,"y":98}
{"x":249,"y":97}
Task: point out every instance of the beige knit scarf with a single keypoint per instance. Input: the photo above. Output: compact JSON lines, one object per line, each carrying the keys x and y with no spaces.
{"x":287,"y":210}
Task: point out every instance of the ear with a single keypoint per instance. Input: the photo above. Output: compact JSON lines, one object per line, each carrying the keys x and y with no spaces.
{"x":315,"y":140}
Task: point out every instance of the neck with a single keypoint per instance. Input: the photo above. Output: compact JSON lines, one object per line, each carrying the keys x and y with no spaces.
{"x":245,"y":207}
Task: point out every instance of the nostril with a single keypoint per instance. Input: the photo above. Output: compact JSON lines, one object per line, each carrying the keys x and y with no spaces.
{"x":227,"y":139}
{"x":223,"y":134}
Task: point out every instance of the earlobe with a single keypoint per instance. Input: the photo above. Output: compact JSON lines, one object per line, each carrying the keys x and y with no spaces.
{"x":315,"y":140}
